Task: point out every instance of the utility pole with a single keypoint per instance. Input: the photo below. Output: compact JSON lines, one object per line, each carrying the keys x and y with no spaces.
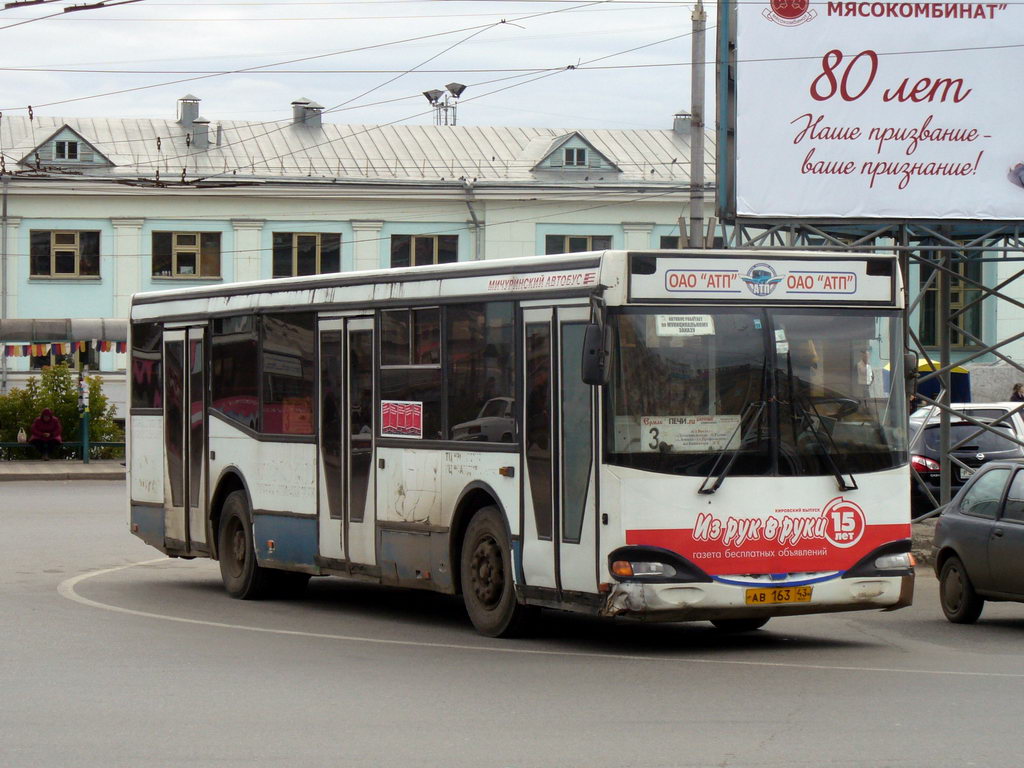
{"x":699,"y":18}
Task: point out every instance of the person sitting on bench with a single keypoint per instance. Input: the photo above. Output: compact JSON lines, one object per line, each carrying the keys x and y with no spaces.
{"x":46,"y":433}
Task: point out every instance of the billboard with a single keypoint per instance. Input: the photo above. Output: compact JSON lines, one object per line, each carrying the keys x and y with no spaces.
{"x":879,"y":109}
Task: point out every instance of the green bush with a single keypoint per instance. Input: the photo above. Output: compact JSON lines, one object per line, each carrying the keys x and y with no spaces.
{"x":56,"y":388}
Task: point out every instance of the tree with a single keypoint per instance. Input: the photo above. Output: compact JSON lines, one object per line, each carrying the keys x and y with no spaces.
{"x":56,"y":388}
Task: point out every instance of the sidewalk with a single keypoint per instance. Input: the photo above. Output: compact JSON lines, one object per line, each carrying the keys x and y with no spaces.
{"x":97,"y":469}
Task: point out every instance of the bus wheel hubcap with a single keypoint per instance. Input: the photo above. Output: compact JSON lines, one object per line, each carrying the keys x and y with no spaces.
{"x":487,"y":571}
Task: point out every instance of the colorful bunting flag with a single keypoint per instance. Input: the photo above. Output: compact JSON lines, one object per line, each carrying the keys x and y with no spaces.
{"x":63,"y":348}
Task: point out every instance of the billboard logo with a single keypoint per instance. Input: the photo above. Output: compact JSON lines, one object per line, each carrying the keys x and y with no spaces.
{"x":789,"y":13}
{"x":761,"y":279}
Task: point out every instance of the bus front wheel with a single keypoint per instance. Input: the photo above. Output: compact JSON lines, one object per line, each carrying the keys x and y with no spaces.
{"x":243,"y":578}
{"x":487,"y":585}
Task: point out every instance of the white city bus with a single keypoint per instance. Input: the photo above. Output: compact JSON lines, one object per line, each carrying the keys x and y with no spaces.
{"x":664,"y":435}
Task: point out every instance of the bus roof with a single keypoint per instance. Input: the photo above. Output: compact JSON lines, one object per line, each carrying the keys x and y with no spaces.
{"x":567,"y":274}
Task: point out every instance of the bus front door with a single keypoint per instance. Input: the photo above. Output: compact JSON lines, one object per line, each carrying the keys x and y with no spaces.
{"x":185,"y":441}
{"x":347,"y":508}
{"x":559,"y":525}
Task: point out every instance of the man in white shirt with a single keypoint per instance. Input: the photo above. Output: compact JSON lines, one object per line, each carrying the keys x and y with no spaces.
{"x":865,"y":375}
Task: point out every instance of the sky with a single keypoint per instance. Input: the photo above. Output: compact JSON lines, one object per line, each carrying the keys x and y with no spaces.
{"x":365,"y":62}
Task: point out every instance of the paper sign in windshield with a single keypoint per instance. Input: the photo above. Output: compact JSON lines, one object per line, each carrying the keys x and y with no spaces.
{"x":686,"y":325}
{"x":689,"y":434}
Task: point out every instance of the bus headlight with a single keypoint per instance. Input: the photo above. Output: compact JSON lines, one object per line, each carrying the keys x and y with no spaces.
{"x":899,"y":561}
{"x":627,"y":569}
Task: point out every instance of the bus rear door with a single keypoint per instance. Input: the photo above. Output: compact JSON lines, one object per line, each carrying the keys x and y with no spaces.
{"x":347,"y":506}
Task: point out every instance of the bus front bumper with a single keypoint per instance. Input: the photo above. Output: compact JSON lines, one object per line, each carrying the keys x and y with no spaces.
{"x":700,"y":601}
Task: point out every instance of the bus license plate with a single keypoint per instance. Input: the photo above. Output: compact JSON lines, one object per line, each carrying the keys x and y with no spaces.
{"x":773,"y":595}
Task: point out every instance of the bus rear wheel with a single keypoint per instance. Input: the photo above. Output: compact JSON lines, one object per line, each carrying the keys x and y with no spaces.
{"x":487,"y":585}
{"x":739,"y":625}
{"x":243,"y":578}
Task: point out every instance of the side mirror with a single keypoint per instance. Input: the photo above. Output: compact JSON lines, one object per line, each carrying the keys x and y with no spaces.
{"x":910,"y":373}
{"x":594,"y":367}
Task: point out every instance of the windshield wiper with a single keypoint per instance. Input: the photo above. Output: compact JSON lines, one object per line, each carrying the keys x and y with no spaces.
{"x":756,"y":420}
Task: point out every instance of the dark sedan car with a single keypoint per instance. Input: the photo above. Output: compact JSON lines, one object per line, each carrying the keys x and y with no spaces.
{"x":972,"y":447}
{"x":979,"y":542}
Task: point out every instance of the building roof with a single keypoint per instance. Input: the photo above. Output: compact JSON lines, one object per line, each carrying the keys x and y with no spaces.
{"x":285,"y":150}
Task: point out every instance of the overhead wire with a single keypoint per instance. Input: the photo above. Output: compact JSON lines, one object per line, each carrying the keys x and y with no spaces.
{"x":262,"y":67}
{"x":278,"y":126}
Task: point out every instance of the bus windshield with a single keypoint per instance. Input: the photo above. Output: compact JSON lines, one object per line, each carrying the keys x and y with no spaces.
{"x":788,"y":391}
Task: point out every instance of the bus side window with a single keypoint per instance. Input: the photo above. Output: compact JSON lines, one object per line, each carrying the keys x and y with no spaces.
{"x":480,"y":372}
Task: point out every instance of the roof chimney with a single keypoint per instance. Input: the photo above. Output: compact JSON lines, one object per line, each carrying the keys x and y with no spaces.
{"x":306,"y":112}
{"x":200,"y":133}
{"x":188,"y":110}
{"x":681,"y":122}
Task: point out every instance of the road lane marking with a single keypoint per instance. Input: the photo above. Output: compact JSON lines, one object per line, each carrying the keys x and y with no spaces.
{"x":67,"y":589}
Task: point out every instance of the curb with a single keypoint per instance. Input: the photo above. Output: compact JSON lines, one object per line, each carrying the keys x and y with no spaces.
{"x":4,"y":478}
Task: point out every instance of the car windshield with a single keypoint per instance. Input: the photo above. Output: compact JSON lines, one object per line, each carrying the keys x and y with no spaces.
{"x":495,"y":407}
{"x":784,"y":392}
{"x":982,"y":442}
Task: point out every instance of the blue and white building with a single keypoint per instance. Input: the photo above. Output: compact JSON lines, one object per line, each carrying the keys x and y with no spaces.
{"x":94,"y":210}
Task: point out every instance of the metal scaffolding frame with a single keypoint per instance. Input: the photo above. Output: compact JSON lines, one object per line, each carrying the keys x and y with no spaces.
{"x":943,"y":251}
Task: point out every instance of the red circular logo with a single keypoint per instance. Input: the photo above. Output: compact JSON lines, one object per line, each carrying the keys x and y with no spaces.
{"x":790,"y":9}
{"x":844,"y":522}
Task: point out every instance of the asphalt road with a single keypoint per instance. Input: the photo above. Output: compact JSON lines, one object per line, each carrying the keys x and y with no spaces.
{"x":113,"y":657}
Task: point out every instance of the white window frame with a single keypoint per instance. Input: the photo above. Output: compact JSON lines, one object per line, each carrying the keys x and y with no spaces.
{"x":72,"y":248}
{"x":295,"y":251}
{"x":435,"y":241}
{"x":574,"y":157}
{"x":178,"y":250}
{"x":65,"y":149}
{"x":195,"y":250}
{"x":567,"y":238}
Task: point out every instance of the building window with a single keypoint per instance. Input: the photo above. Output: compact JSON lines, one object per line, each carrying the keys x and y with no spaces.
{"x":186,"y":254}
{"x":64,"y":253}
{"x":961,"y":294}
{"x":416,"y":250}
{"x":575,"y":157}
{"x":65,"y":150}
{"x":576,"y":243}
{"x":306,"y":253}
{"x":73,"y":360}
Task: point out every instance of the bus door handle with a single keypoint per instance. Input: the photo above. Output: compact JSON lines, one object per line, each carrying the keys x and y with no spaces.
{"x":380,"y":463}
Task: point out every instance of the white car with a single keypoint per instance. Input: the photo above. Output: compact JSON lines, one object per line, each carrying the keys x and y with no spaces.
{"x":494,"y":424}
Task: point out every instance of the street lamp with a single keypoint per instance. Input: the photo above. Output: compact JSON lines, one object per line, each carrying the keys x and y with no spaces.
{"x":444,"y":102}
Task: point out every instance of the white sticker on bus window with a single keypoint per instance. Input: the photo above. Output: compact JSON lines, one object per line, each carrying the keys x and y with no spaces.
{"x":689,"y":434}
{"x":780,"y":334}
{"x":782,"y":347}
{"x":686,"y":325}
